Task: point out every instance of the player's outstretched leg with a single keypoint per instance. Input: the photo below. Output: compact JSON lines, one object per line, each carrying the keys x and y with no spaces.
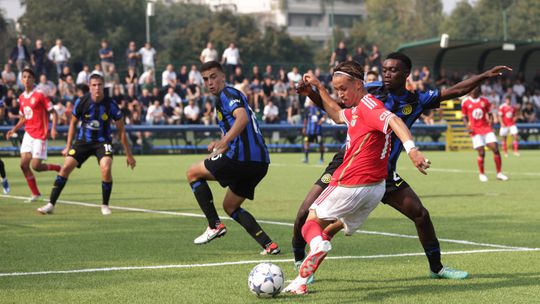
{"x":39,"y":166}
{"x":197,"y":176}
{"x":26,"y":159}
{"x":60,"y":181}
{"x":407,"y":202}
{"x":5,"y":183}
{"x":231,"y":205}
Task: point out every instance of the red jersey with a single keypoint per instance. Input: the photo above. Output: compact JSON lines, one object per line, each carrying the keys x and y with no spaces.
{"x":35,"y":107}
{"x":477,"y":111}
{"x":508,"y":115}
{"x":368,"y":144}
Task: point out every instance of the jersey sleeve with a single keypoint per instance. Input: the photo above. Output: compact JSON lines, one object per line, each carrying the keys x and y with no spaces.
{"x":464,"y":111}
{"x":76,"y":110}
{"x":115,"y":112}
{"x":46,"y":103}
{"x":375,"y":115}
{"x":430,"y":99}
{"x":346,"y":115}
{"x":231,"y":101}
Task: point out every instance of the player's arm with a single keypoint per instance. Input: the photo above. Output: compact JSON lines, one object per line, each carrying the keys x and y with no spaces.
{"x":52,"y":111}
{"x":130,"y":160}
{"x":71,"y":132}
{"x":466,"y":86}
{"x":329,"y":104}
{"x":16,"y":128}
{"x":305,"y":89}
{"x":404,"y":134}
{"x":241,"y":120}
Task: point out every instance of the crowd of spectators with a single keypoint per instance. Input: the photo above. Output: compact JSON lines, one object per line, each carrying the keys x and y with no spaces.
{"x":179,"y":96}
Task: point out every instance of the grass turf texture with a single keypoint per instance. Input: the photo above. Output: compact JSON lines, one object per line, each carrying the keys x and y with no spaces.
{"x":79,"y":237}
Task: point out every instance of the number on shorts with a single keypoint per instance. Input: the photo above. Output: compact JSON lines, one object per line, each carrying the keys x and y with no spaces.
{"x":108,"y":148}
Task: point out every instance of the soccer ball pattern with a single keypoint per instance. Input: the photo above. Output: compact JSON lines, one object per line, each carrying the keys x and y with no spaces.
{"x":266,"y":280}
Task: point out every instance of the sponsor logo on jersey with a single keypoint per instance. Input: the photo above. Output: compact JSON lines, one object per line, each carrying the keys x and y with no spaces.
{"x":93,"y":125}
{"x":326,"y":178}
{"x":407,"y":109}
{"x":233,"y":101}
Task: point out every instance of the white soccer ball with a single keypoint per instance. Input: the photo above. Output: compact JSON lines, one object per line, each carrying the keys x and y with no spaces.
{"x":266,"y":280}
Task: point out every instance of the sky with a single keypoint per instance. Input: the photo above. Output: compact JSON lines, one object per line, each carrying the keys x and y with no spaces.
{"x":13,"y":8}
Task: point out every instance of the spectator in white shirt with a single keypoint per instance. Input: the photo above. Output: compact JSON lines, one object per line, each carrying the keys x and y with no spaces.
{"x":231,"y":59}
{"x":168,"y":77}
{"x":46,"y":87}
{"x":148,"y":56}
{"x":294,"y":77}
{"x":192,"y":112}
{"x":173,"y":98}
{"x":209,"y":53}
{"x":84,"y":74}
{"x":60,"y":55}
{"x":271,"y":113}
{"x":195,"y":76}
{"x":154,"y":115}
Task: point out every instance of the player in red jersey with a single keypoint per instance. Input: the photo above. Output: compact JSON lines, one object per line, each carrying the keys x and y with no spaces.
{"x":507,"y":117}
{"x":358,"y":185}
{"x":34,"y":108}
{"x":476,"y":112}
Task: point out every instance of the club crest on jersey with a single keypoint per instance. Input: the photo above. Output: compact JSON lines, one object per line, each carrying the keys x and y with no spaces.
{"x":32,"y":100}
{"x":104,"y":116}
{"x":326,"y":178}
{"x":407,"y":109}
{"x":233,"y":101}
{"x":219,"y":115}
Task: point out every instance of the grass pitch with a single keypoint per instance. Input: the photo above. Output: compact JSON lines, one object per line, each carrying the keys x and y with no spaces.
{"x":147,"y":255}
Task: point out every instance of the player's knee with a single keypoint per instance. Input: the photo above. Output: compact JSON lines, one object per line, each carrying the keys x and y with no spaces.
{"x":422,"y":217}
{"x":24,"y":167}
{"x":36,"y":167}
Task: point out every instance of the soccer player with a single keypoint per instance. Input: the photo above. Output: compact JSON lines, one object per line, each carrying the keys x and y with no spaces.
{"x":508,"y":117}
{"x":239,"y":160}
{"x":34,"y":110}
{"x":477,"y":117}
{"x":408,"y":106}
{"x":313,"y":120}
{"x":5,"y":183}
{"x":95,"y":112}
{"x":358,"y":184}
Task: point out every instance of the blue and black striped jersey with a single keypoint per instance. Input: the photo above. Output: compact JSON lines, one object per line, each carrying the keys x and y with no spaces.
{"x":312,"y":118}
{"x":249,"y":146}
{"x":95,"y":118}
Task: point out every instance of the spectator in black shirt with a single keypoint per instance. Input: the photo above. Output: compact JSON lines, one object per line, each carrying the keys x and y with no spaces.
{"x":360,"y":56}
{"x":339,"y":54}
{"x":39,"y":57}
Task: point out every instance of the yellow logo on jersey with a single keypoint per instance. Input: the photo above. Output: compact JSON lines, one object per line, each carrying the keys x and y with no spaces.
{"x":71,"y":152}
{"x":104,"y":116}
{"x":219,"y":115}
{"x":326,"y":178}
{"x":407,"y":109}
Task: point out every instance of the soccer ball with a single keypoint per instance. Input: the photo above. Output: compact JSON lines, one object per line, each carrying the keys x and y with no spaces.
{"x":266,"y":280}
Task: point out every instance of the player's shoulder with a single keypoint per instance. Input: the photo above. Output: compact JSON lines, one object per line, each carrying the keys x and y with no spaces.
{"x":230,"y":96}
{"x":371,"y":102}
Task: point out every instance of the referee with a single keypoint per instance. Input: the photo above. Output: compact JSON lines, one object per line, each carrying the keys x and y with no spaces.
{"x":95,"y":112}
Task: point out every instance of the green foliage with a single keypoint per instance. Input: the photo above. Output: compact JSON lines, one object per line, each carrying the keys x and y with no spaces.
{"x":462,"y":22}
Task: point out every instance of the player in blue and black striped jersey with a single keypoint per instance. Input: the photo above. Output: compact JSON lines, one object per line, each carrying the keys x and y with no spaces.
{"x":313,"y":120}
{"x":95,"y":112}
{"x":408,"y":105}
{"x":238,"y":161}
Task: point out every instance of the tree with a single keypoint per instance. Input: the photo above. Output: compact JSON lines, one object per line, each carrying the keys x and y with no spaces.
{"x":462,"y":22}
{"x":523,"y":20}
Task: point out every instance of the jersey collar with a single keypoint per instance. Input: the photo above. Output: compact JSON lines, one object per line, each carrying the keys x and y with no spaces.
{"x":28,"y":95}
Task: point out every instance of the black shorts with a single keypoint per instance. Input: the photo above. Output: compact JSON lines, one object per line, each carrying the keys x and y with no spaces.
{"x":240,"y":177}
{"x":81,"y":151}
{"x":330,"y":169}
{"x":394,"y":183}
{"x":313,"y":139}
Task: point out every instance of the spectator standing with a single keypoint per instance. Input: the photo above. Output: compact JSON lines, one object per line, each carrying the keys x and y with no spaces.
{"x":60,"y":55}
{"x":209,"y":53}
{"x":360,"y":56}
{"x":39,"y":57}
{"x":106,"y":57}
{"x":148,"y":56}
{"x":19,"y":55}
{"x":231,"y":59}
{"x":375,"y":58}
{"x":132,"y":55}
{"x":339,"y":54}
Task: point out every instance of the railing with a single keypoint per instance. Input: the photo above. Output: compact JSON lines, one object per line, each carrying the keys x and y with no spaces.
{"x":279,"y":138}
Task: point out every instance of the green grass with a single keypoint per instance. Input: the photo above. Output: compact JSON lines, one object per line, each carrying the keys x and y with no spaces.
{"x":79,"y":237}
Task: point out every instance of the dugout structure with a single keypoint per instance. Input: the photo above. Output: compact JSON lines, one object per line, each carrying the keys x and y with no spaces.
{"x":474,"y":56}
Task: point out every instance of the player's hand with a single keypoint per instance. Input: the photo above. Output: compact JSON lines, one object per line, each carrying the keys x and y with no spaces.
{"x":419,"y":161}
{"x":218,"y":147}
{"x":53,"y":133}
{"x":131,"y":162}
{"x":497,"y":71}
{"x":9,"y":134}
{"x":311,"y":79}
{"x":65,"y":151}
{"x":303,"y":88}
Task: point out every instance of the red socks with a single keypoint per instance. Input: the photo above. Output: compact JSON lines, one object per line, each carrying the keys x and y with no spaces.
{"x":311,"y":230}
{"x":480,"y":161}
{"x":497,"y":158}
{"x":31,"y":180}
{"x":505,"y":147}
{"x":51,"y":167}
{"x":516,"y":143}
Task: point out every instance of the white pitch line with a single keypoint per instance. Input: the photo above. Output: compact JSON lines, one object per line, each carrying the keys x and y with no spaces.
{"x":186,"y":214}
{"x":176,"y":266}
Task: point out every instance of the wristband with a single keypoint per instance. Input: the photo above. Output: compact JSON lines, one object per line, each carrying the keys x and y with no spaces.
{"x":408,"y":145}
